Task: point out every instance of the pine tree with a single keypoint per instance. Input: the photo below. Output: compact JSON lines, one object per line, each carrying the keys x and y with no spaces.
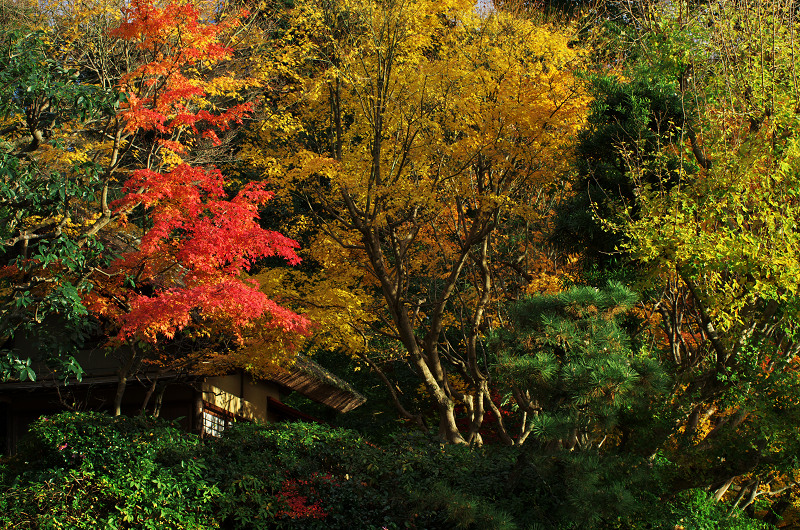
{"x":571,"y":365}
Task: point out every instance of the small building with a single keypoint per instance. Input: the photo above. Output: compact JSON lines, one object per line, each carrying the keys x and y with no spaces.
{"x":201,"y":404}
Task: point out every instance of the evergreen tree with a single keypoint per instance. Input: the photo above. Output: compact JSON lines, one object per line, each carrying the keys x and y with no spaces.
{"x":571,"y":364}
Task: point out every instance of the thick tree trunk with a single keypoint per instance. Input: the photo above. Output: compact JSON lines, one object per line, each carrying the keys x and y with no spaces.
{"x":448,"y":429}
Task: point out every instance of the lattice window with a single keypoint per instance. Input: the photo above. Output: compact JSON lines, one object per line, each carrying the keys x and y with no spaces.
{"x":214,"y":422}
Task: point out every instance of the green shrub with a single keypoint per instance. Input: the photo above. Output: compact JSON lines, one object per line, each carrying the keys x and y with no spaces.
{"x":92,"y":471}
{"x":696,"y":509}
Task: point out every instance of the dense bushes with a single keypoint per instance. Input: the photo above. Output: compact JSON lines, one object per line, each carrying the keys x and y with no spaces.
{"x":94,"y":471}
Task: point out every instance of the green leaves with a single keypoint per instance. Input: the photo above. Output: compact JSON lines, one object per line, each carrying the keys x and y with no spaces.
{"x":95,"y":471}
{"x":47,"y":189}
{"x":12,"y":367}
{"x":637,"y":121}
{"x":25,"y":371}
{"x":570,"y":361}
{"x":32,"y":80}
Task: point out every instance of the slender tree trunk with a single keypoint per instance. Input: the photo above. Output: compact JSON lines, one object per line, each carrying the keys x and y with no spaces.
{"x":148,"y":395}
{"x":159,"y":400}
{"x":722,"y":490}
{"x":404,"y":413}
{"x":197,"y":413}
{"x":122,"y":382}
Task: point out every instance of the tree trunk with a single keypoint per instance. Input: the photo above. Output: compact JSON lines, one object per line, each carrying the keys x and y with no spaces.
{"x":448,"y":429}
{"x":122,"y":382}
{"x":723,"y":489}
{"x":148,"y":395}
{"x":159,"y":399}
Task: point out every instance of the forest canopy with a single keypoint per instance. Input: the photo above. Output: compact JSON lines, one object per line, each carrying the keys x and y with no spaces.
{"x":567,"y":228}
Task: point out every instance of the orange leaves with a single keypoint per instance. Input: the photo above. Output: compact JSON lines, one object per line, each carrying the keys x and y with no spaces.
{"x":156,"y":28}
{"x":193,"y":242}
{"x":160,"y":95}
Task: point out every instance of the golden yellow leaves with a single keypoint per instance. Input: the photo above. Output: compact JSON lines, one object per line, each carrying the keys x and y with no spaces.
{"x":227,"y":86}
{"x":508,"y":95}
{"x":415,"y":123}
{"x":338,"y":312}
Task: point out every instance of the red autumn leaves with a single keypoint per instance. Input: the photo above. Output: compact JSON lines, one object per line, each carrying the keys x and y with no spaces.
{"x":193,"y":243}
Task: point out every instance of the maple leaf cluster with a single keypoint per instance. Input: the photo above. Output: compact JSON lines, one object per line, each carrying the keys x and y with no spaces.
{"x":160,"y":95}
{"x":193,"y":243}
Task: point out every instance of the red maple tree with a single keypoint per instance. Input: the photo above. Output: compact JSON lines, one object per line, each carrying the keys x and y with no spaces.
{"x":192,"y":242}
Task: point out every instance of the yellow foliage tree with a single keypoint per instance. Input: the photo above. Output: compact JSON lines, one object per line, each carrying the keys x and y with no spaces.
{"x":425,"y":140}
{"x":718,"y":233}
